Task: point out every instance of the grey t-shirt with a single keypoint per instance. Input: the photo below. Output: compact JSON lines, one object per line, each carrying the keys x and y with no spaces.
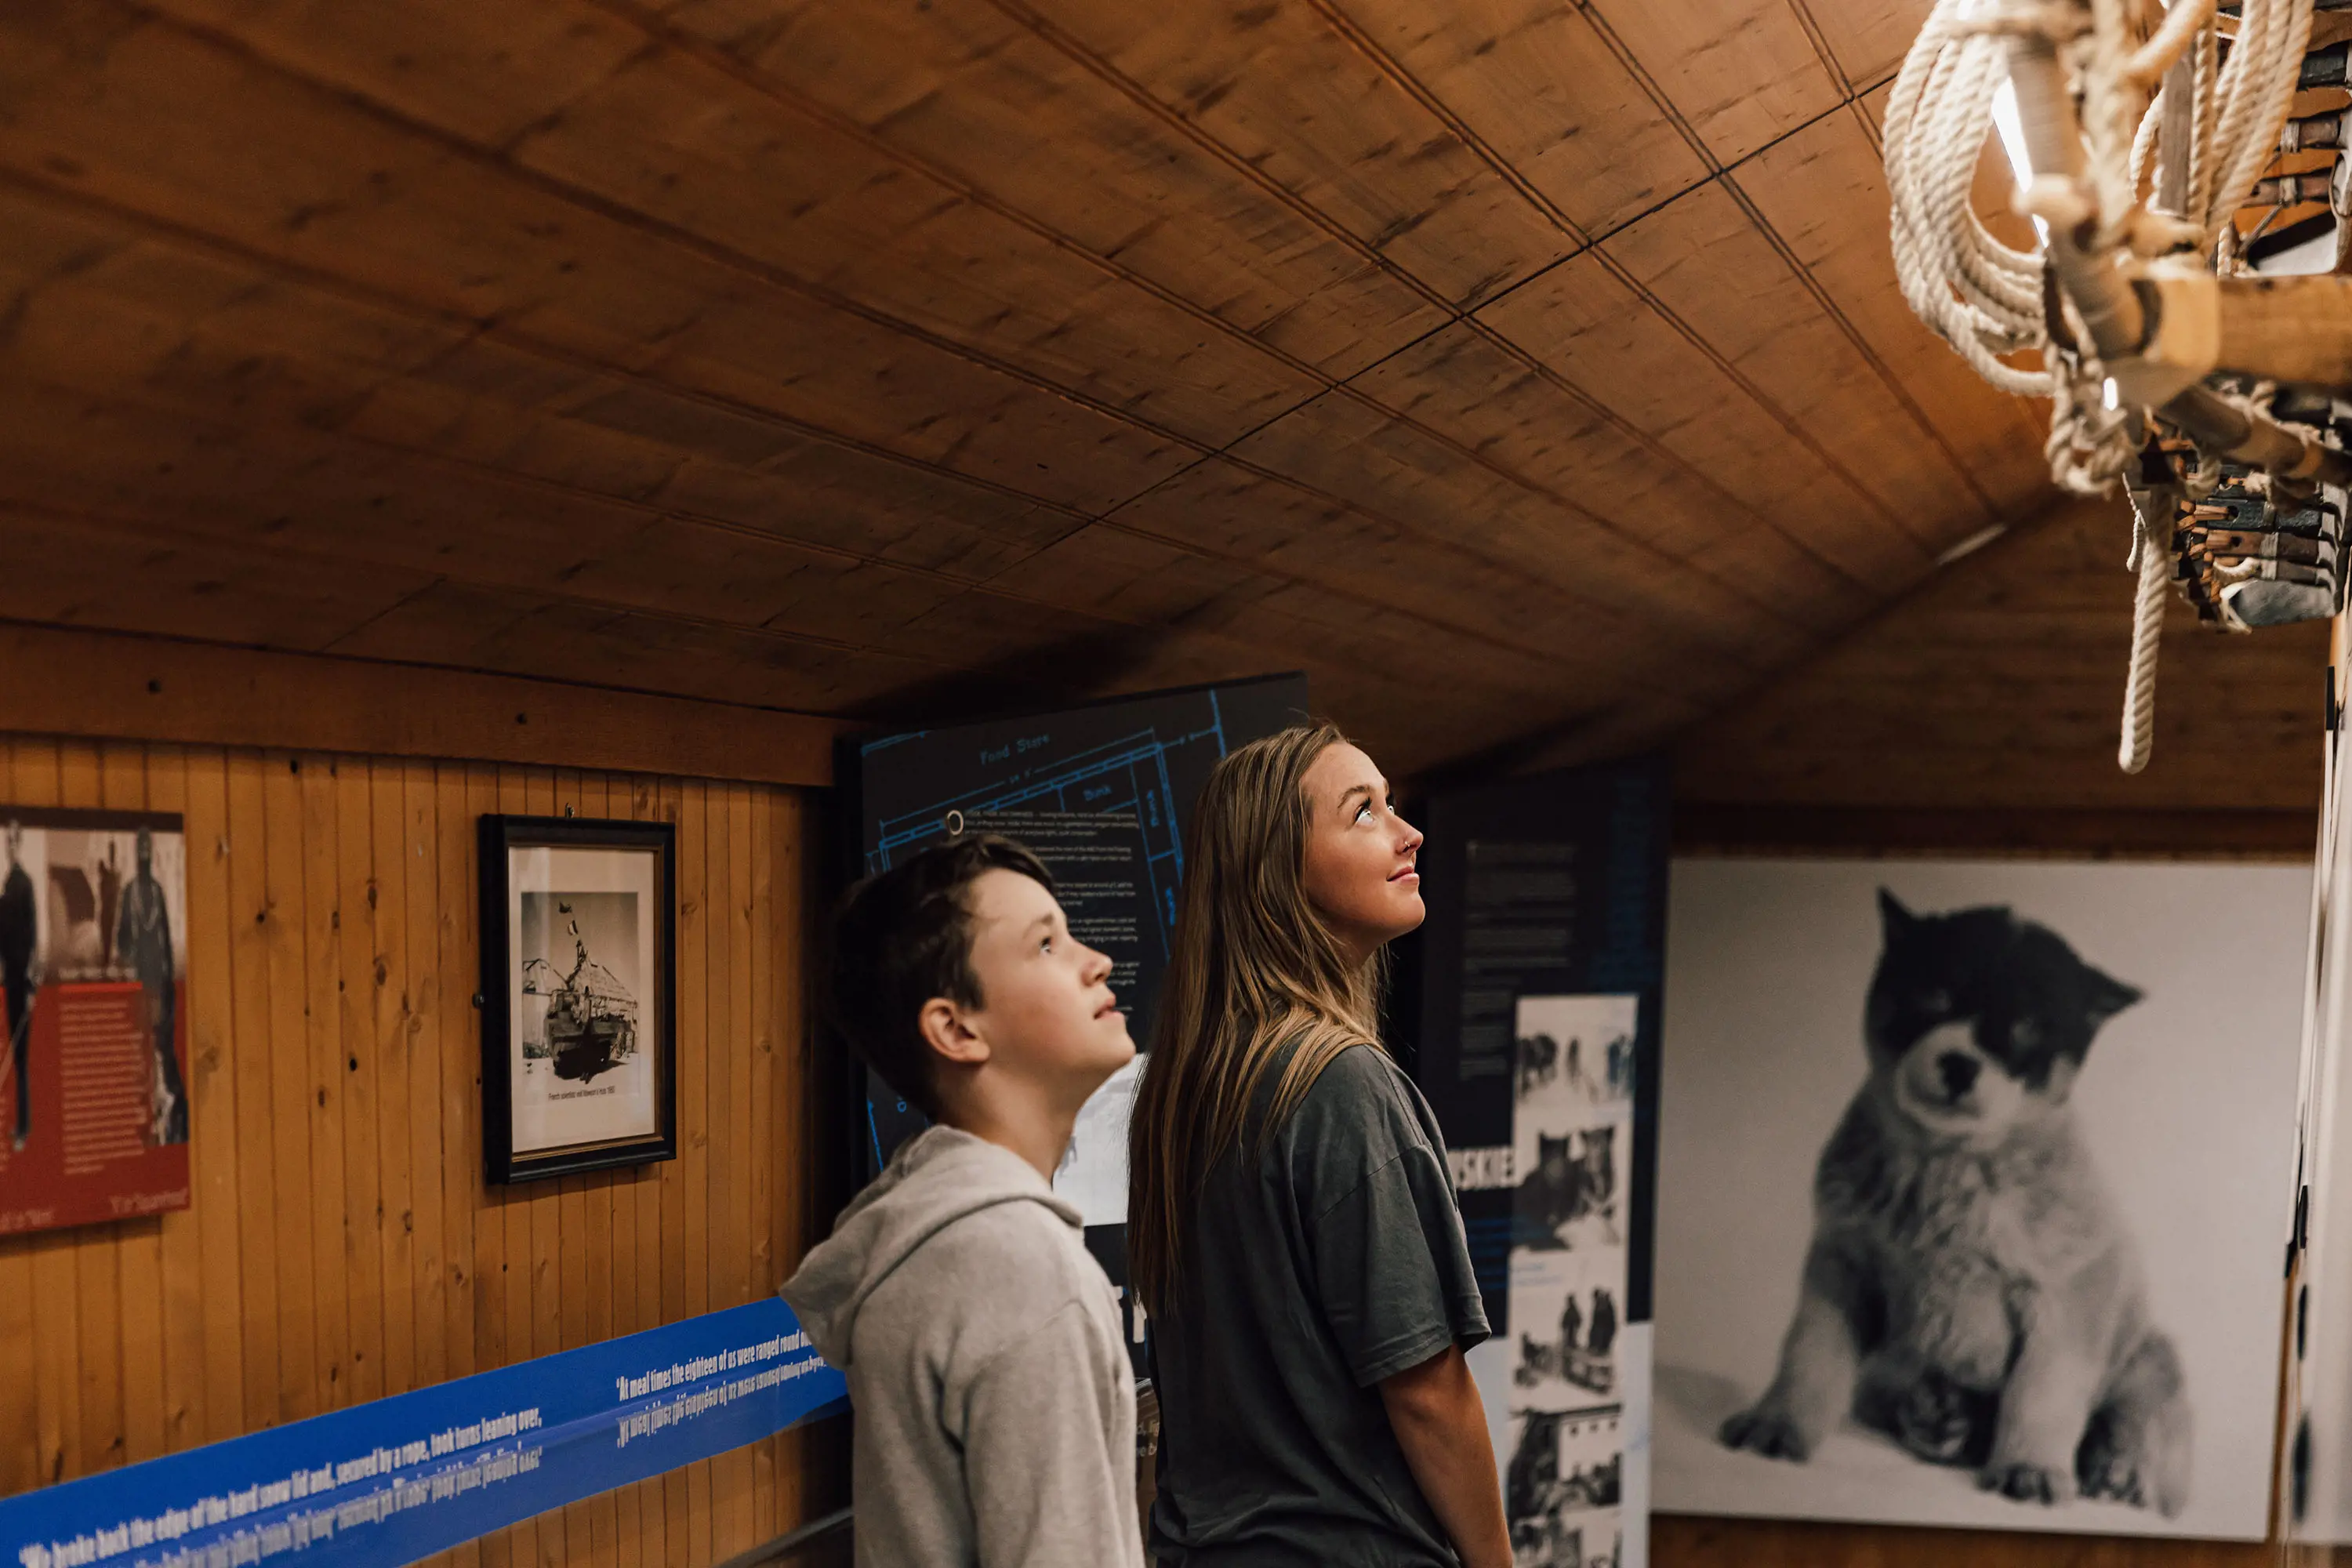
{"x":1334,"y":1259}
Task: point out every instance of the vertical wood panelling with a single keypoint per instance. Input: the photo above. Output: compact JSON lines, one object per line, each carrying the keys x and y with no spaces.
{"x":299,"y":1276}
{"x":212,"y":1092}
{"x":354,"y":918}
{"x":248,"y":1052}
{"x":342,"y":1244}
{"x":323,"y":1061}
{"x":181,"y":1250}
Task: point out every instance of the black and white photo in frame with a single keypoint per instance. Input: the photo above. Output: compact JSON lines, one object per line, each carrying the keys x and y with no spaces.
{"x":579,"y":1069}
{"x":1974,"y":1182}
{"x":1566,"y":1383}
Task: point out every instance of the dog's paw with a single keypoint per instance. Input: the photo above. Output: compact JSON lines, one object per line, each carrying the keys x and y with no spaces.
{"x":1771,"y":1433}
{"x":1941,"y":1422}
{"x":2114,"y":1476}
{"x":2104,"y":1468}
{"x":2024,"y":1482}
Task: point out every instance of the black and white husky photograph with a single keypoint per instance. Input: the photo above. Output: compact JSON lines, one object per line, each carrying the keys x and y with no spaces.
{"x":1565,"y":1380}
{"x":1570,"y":1147}
{"x":1974,"y":1180}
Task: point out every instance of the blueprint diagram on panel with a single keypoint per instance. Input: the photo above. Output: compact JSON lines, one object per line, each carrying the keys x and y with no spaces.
{"x":1140,"y":759}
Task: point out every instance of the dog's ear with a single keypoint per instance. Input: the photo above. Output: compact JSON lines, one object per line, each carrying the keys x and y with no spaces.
{"x":2106,"y":996}
{"x":1893,"y":916}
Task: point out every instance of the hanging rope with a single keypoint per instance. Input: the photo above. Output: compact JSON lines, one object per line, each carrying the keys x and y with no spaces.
{"x":2151,"y":553}
{"x":1988,"y":299}
{"x":1979,"y":294}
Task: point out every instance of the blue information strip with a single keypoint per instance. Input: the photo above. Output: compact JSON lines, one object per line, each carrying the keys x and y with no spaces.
{"x":397,"y":1479}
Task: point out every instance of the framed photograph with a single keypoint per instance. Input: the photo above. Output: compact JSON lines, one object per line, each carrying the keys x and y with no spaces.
{"x":94,"y":1111}
{"x":1975,"y":1177}
{"x":579,"y":971}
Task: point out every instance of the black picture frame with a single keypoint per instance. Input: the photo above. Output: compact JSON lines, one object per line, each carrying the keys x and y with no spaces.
{"x":654,"y":1020}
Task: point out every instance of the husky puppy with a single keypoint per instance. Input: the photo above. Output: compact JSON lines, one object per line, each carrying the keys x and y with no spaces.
{"x":1970,"y":1290}
{"x":1565,"y":1187}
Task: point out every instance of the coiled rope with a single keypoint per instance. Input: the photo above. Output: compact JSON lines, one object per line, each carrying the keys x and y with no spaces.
{"x":1988,"y":299}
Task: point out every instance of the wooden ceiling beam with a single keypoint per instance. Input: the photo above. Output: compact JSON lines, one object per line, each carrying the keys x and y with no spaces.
{"x":111,"y":687}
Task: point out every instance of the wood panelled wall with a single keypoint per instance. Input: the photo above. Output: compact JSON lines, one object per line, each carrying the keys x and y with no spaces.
{"x":1998,"y":686}
{"x":341,"y":1243}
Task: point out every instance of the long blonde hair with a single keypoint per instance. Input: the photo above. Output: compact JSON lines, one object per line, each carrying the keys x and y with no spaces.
{"x":1254,"y":967}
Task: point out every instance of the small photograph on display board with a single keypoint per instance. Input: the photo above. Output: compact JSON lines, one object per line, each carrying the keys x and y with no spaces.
{"x":1975,"y":1178}
{"x":93,"y":969}
{"x":578,"y":1071}
{"x":1560,"y":1434}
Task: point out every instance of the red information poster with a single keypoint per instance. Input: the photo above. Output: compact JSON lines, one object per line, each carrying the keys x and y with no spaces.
{"x":93,"y":974}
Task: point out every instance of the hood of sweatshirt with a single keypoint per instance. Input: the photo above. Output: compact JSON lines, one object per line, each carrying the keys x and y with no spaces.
{"x":938,"y":1177}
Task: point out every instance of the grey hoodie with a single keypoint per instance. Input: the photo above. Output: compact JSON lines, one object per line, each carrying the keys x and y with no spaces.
{"x":996,"y":1406}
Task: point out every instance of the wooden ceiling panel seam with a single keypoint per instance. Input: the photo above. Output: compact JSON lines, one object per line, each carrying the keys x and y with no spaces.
{"x":1601,"y":536}
{"x":770,"y":87}
{"x":612,"y":211}
{"x":89,"y":573}
{"x":767,"y":85}
{"x":1705,"y":260}
{"x":179,"y":534}
{"x":1523,"y":481}
{"x":1820,"y":42}
{"x":1078,"y":51}
{"x":971,"y":418}
{"x":1829,"y":307}
{"x":1289,"y":97}
{"x":1198,"y":511}
{"x":761,"y":271}
{"x":1382,"y":60}
{"x":976,"y":91}
{"x":1237,"y":652}
{"x":1536,"y":665}
{"x":1534,"y":196}
{"x":525,"y":342}
{"x":1538,"y":660}
{"x":1782,"y":185}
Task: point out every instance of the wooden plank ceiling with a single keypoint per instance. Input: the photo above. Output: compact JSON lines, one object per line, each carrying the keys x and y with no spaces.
{"x":1517,"y":368}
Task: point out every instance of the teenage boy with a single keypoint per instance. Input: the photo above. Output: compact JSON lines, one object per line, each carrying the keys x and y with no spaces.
{"x":994,"y":1405}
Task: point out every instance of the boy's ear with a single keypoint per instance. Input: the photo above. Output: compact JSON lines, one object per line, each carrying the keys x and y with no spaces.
{"x":943,"y":1029}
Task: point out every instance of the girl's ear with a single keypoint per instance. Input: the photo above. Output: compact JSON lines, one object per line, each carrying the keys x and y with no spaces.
{"x":945,"y":1029}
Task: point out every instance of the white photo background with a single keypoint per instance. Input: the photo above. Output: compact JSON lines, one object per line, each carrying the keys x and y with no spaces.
{"x":582,"y":924}
{"x":2184,"y":1108}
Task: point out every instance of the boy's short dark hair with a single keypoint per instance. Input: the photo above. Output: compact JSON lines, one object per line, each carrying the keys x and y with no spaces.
{"x":904,"y":936}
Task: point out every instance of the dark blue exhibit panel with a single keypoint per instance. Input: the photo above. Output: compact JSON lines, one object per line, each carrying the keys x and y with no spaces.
{"x":396,"y":1480}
